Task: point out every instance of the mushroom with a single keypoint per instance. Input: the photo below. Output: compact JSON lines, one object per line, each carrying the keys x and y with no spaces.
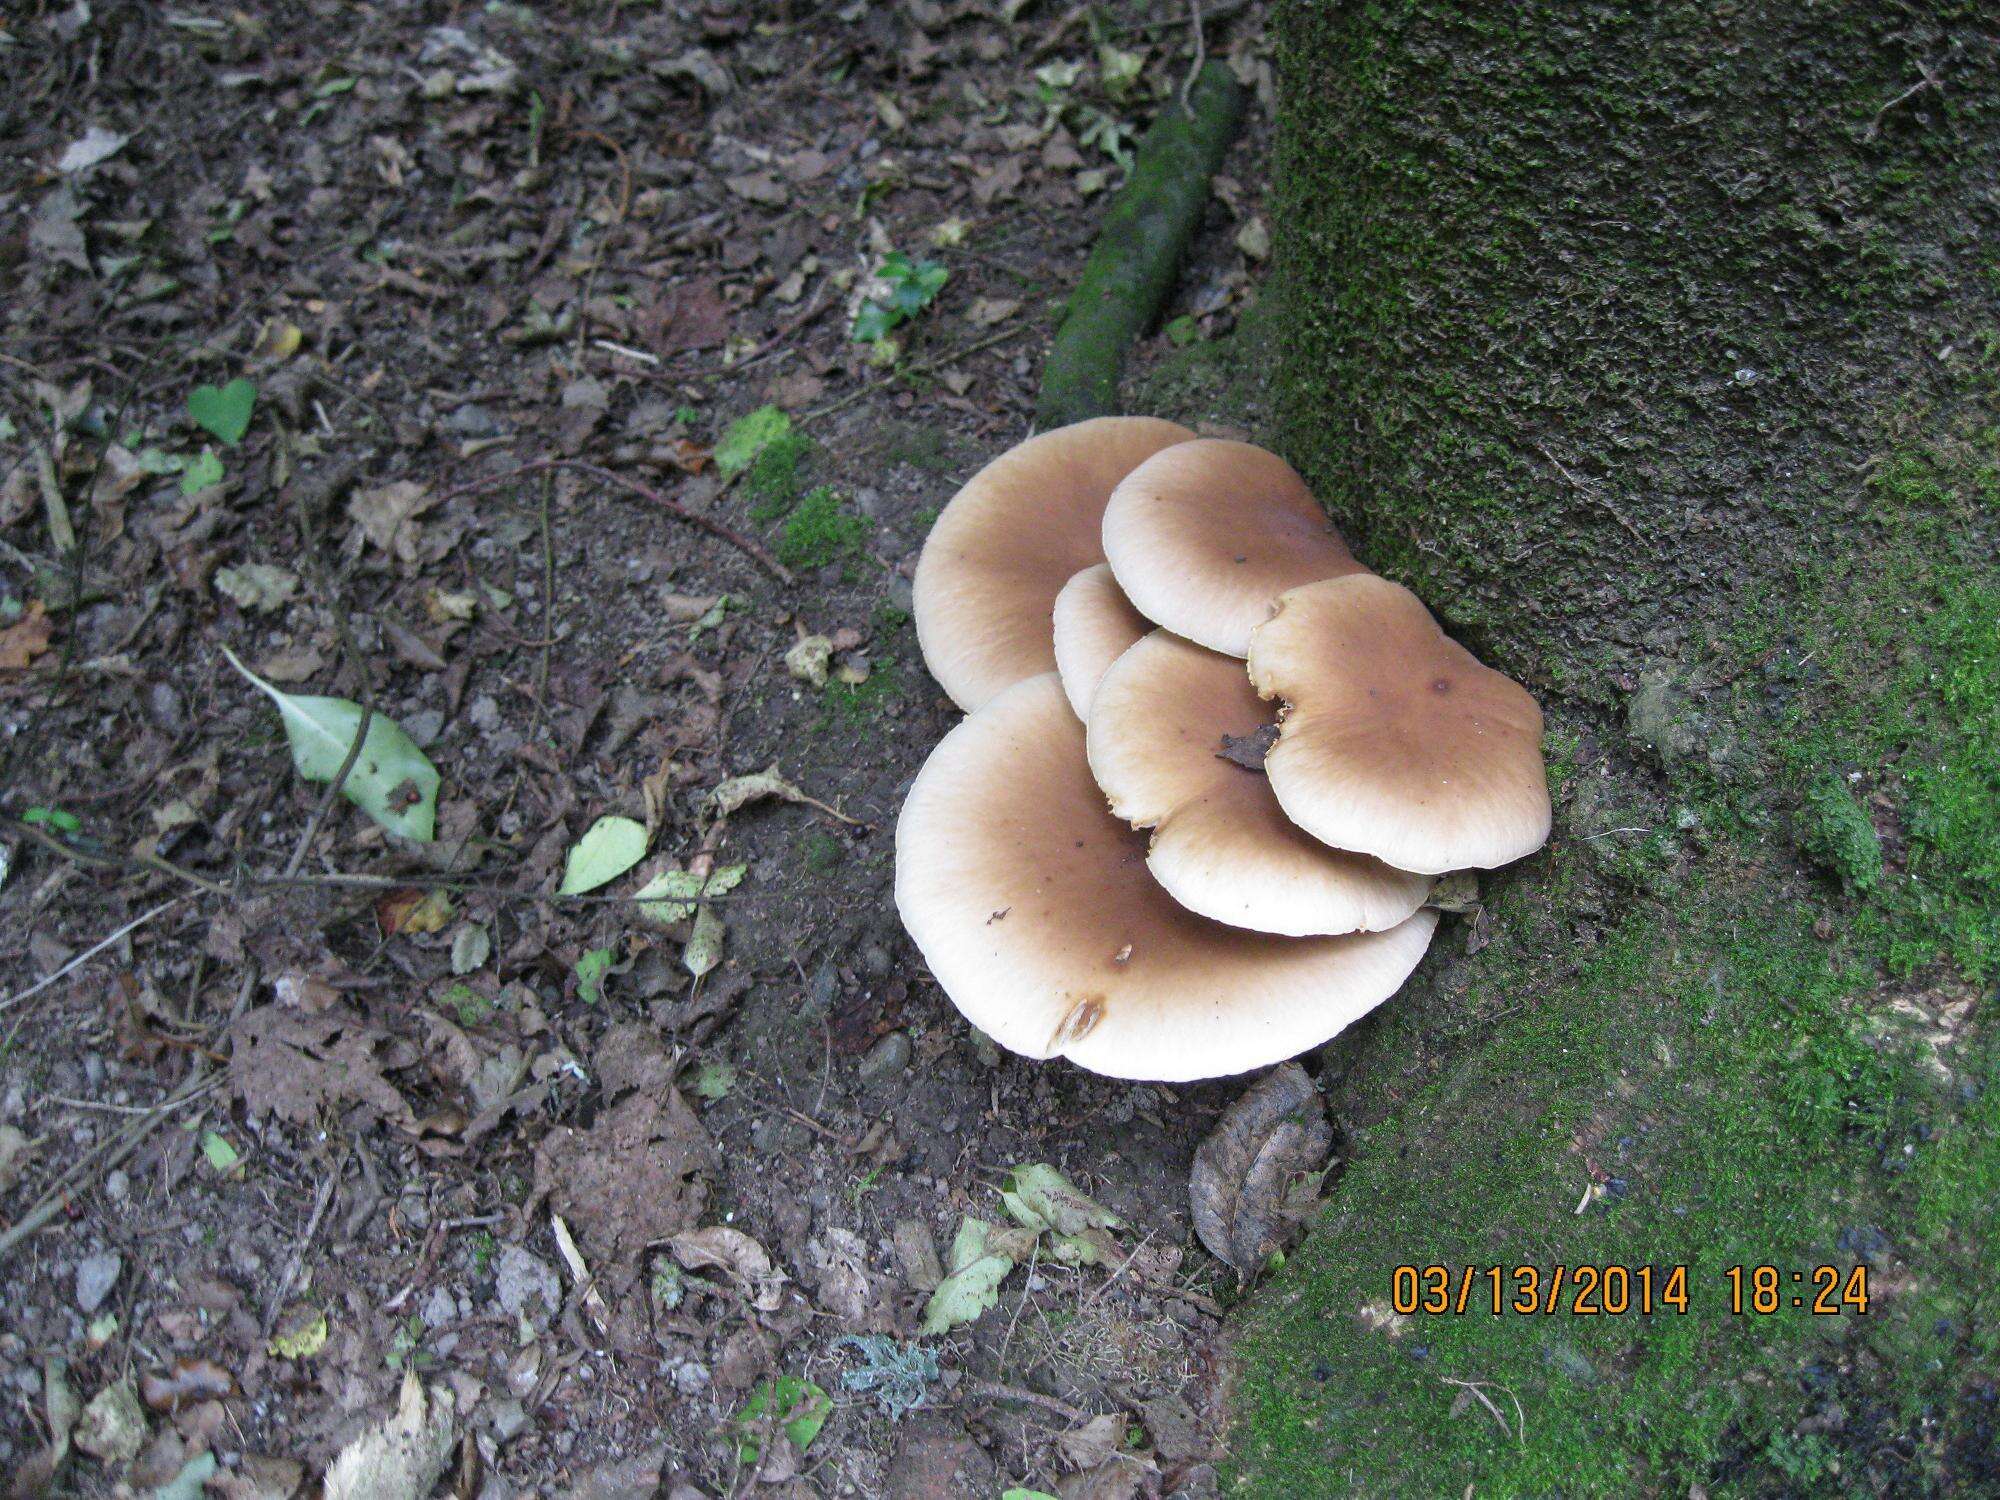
{"x":1034,"y":910}
{"x":1095,"y":625}
{"x":987,"y":580}
{"x":1203,"y":536}
{"x":1176,"y":739}
{"x":1396,"y":742}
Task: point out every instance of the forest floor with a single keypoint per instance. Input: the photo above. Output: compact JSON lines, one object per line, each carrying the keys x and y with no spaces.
{"x":289,"y":1107}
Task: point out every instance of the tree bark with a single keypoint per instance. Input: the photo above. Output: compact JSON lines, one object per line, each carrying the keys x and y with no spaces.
{"x":1595,"y":312}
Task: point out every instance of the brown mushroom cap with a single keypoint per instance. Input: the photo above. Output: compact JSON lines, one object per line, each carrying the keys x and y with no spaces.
{"x":1203,"y":536}
{"x":1221,"y":845}
{"x":1034,"y":910}
{"x":1095,"y":625}
{"x":1397,"y":742}
{"x":1009,"y":540}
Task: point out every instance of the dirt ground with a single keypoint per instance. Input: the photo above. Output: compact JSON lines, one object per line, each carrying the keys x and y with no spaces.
{"x":290,"y":1107}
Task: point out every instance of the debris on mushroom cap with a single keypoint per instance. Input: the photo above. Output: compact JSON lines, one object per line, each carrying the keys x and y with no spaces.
{"x":1202,"y":537}
{"x":1033,"y":907}
{"x":1021,"y":528}
{"x":1095,"y":625}
{"x":1397,"y":742}
{"x":1221,"y":845}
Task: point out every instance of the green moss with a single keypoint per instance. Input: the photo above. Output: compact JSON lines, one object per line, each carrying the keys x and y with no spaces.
{"x":857,"y":702}
{"x":772,"y":482}
{"x":823,"y":852}
{"x":821,"y":530}
{"x":1837,"y":832}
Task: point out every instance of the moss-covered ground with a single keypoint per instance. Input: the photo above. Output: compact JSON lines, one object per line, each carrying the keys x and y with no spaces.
{"x":1761,"y":1034}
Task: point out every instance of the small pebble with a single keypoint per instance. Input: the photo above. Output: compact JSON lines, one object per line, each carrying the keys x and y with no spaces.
{"x":886,"y":1058}
{"x":96,"y":1275}
{"x":117,"y":1186}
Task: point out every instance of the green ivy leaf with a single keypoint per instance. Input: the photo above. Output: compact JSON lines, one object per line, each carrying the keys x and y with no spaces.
{"x":223,"y":411}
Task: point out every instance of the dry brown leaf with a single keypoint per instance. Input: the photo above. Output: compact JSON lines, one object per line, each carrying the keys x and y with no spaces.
{"x":1241,"y":1184}
{"x":24,"y":640}
{"x":402,"y":1456}
{"x":388,"y":516}
{"x":745,"y":1261}
{"x":636,"y":1177}
{"x":293,"y":1065}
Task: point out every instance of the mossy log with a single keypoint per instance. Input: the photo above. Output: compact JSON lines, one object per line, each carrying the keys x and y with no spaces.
{"x":1138,"y":253}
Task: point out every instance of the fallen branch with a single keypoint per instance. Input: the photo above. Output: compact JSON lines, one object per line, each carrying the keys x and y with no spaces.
{"x":709,"y":524}
{"x":1139,"y":247}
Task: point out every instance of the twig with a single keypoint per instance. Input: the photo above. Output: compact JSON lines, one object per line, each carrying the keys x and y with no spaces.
{"x":1590,"y":493}
{"x":917,"y":367}
{"x":110,"y":1153}
{"x":1519,"y":1432}
{"x":89,"y":953}
{"x":298,"y":1260}
{"x":1929,"y":80}
{"x":308,"y":546}
{"x":994,"y":1391}
{"x":1200,"y":57}
{"x":709,"y":524}
{"x":147,"y":861}
{"x":548,"y":605}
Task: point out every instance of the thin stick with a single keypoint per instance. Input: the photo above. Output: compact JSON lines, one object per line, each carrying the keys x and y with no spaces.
{"x":709,"y":524}
{"x":88,"y":954}
{"x":548,"y":605}
{"x":114,"y":1151}
{"x":298,"y":1260}
{"x":1200,"y":57}
{"x":308,"y":544}
{"x":116,"y":862}
{"x":916,"y":368}
{"x":994,"y":1391}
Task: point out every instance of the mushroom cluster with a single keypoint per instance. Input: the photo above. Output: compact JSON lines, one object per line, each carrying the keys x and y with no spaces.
{"x":1211,"y":764}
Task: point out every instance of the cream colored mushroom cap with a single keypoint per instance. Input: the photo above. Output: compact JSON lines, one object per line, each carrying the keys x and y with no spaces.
{"x":1095,"y":625}
{"x":1202,"y":537}
{"x":1221,"y":845}
{"x":1034,"y":910}
{"x":1002,"y":549}
{"x":1397,"y":742}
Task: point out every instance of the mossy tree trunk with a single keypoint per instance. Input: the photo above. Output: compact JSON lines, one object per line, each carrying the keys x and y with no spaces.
{"x":1592,"y":308}
{"x":1658,"y":347}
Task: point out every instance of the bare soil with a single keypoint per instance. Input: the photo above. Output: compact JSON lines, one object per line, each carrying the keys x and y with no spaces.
{"x":446,"y":243}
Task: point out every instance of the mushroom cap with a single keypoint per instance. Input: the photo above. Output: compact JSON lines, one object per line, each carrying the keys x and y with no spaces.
{"x":1203,"y":536}
{"x":1222,"y":846}
{"x":1095,"y":625}
{"x":1397,"y":742}
{"x":1009,"y":540}
{"x":1033,"y":908}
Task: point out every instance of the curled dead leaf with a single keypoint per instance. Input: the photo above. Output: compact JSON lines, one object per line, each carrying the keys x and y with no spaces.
{"x":1244,"y":1179}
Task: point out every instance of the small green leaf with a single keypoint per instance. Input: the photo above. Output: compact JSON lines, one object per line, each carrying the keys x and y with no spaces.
{"x":299,"y":1337}
{"x":223,"y":411}
{"x":610,"y":848}
{"x":201,"y":473}
{"x":590,"y":972}
{"x":221,"y":1155}
{"x":714,"y":1080}
{"x":53,"y":817}
{"x":391,"y":779}
{"x":797,"y":1405}
{"x":471,"y":946}
{"x":1039,"y":1197}
{"x":1017,"y":1493}
{"x":747,"y":437}
{"x":671,"y":895}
